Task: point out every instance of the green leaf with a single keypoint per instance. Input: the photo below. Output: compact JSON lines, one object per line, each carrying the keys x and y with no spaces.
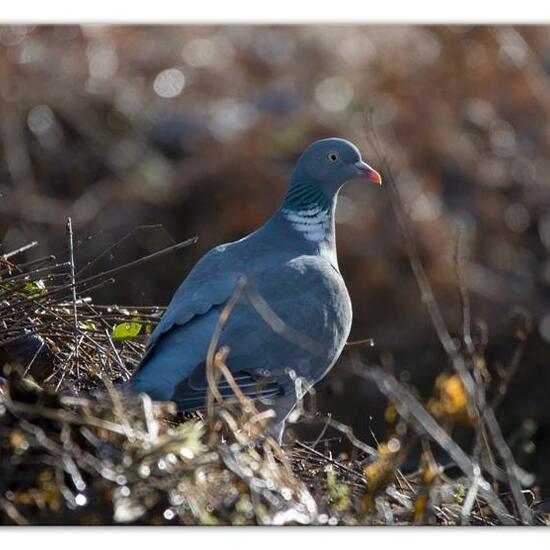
{"x":87,"y":325}
{"x":35,"y":288}
{"x":126,"y":331}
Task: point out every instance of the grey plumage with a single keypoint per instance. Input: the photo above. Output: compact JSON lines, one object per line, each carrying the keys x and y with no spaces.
{"x":293,"y":311}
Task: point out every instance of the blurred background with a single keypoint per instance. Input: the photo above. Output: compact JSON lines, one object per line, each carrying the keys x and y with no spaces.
{"x":197,"y":129}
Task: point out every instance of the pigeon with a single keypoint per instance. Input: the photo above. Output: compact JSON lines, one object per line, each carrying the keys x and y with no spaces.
{"x":288,"y":312}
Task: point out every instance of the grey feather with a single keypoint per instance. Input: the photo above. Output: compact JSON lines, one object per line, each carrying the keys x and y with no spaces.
{"x":293,"y":313}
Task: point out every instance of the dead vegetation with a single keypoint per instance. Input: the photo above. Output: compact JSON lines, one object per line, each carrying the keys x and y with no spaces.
{"x":76,"y":450}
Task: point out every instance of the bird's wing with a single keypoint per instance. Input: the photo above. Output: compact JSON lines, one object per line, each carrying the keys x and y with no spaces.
{"x":249,"y":362}
{"x":190,"y":394}
{"x":210,"y":283}
{"x":179,"y":341}
{"x":288,"y":318}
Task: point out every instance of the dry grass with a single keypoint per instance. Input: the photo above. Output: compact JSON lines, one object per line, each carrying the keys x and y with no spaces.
{"x":77,"y":450}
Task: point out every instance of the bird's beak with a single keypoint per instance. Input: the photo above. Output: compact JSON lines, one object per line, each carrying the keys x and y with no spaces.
{"x":370,"y":173}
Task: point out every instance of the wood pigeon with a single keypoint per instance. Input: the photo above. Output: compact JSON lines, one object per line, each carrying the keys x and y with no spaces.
{"x":292,"y":315}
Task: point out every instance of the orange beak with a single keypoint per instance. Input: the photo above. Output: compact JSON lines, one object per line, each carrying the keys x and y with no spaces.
{"x":370,"y":173}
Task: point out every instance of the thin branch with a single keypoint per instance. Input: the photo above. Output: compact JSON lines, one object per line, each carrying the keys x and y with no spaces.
{"x":73,"y":290}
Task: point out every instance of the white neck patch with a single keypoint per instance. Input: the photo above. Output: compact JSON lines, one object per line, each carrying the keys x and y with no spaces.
{"x":312,"y":222}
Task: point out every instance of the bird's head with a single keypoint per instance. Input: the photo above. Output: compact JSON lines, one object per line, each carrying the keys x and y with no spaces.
{"x":333,"y":162}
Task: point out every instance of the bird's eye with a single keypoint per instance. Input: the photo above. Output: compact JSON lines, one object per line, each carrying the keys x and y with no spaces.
{"x":332,"y":156}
